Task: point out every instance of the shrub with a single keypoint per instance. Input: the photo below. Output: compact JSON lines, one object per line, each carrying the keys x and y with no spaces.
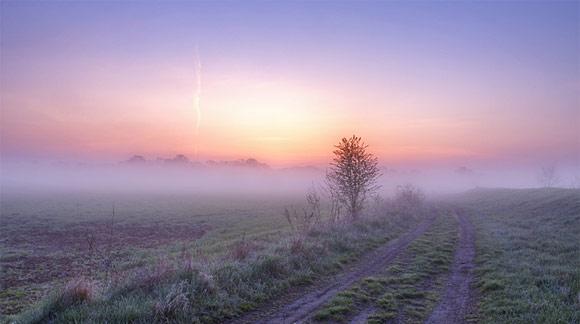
{"x":268,"y":267}
{"x":408,"y":199}
{"x":241,"y":249}
{"x":175,"y":303}
{"x":305,"y":221}
{"x":77,"y":291}
{"x":145,"y":278}
{"x":297,"y":246}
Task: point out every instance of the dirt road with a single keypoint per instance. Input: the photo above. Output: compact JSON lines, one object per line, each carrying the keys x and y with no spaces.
{"x":303,"y":307}
{"x":457,"y":299}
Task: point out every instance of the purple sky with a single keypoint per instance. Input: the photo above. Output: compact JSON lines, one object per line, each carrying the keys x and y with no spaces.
{"x":422,"y":82}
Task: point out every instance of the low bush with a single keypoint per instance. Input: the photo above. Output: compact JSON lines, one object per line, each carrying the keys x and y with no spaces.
{"x":76,"y":292}
{"x":241,"y":250}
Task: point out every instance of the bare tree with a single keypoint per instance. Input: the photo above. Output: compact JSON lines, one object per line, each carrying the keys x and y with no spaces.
{"x":311,"y":215}
{"x":313,"y":204}
{"x":548,"y":176}
{"x":335,"y":207}
{"x":352,"y":175}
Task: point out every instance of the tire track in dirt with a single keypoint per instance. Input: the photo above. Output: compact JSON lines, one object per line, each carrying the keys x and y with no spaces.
{"x":301,"y":308}
{"x":362,"y":317}
{"x":457,"y":299}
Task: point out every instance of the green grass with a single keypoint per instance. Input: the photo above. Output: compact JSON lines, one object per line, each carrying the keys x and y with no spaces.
{"x":408,"y":289}
{"x":527,"y":261}
{"x":54,"y":255}
{"x":181,"y":288}
{"x":528,"y":254}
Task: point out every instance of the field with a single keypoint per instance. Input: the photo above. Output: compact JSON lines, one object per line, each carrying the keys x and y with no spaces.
{"x":528,"y":254}
{"x":487,"y":255}
{"x":50,"y":238}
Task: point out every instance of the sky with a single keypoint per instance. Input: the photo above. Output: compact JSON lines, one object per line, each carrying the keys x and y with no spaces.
{"x":424,"y":83}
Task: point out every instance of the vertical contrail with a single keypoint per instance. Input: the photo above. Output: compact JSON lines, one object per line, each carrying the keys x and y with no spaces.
{"x":197,"y":97}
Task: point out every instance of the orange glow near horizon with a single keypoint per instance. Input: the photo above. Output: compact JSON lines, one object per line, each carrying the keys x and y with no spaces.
{"x":278,"y":121}
{"x":284,"y":87}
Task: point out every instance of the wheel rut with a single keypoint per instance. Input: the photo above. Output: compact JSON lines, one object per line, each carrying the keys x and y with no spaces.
{"x":362,"y":316}
{"x":457,"y":300}
{"x":303,"y":307}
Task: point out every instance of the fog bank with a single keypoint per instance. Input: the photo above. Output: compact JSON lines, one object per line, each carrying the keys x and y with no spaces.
{"x":250,"y":178}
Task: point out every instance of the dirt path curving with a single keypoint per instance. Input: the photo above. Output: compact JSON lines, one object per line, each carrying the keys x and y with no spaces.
{"x":457,"y":300}
{"x":302,"y":307}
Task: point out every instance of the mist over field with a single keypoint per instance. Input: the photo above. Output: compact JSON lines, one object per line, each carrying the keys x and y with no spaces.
{"x":292,"y":162}
{"x":239,"y":177}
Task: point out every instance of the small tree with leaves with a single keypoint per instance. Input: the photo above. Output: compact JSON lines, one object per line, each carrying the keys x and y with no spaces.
{"x":353,"y":174}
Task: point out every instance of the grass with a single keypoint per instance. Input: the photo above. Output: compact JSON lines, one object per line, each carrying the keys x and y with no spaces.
{"x":209,"y":283}
{"x":408,"y":289}
{"x":44,"y":236}
{"x":528,"y":259}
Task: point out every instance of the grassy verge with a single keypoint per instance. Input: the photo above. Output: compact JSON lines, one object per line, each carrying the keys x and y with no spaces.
{"x":407,"y":290}
{"x":195,"y":289}
{"x":528,"y":259}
